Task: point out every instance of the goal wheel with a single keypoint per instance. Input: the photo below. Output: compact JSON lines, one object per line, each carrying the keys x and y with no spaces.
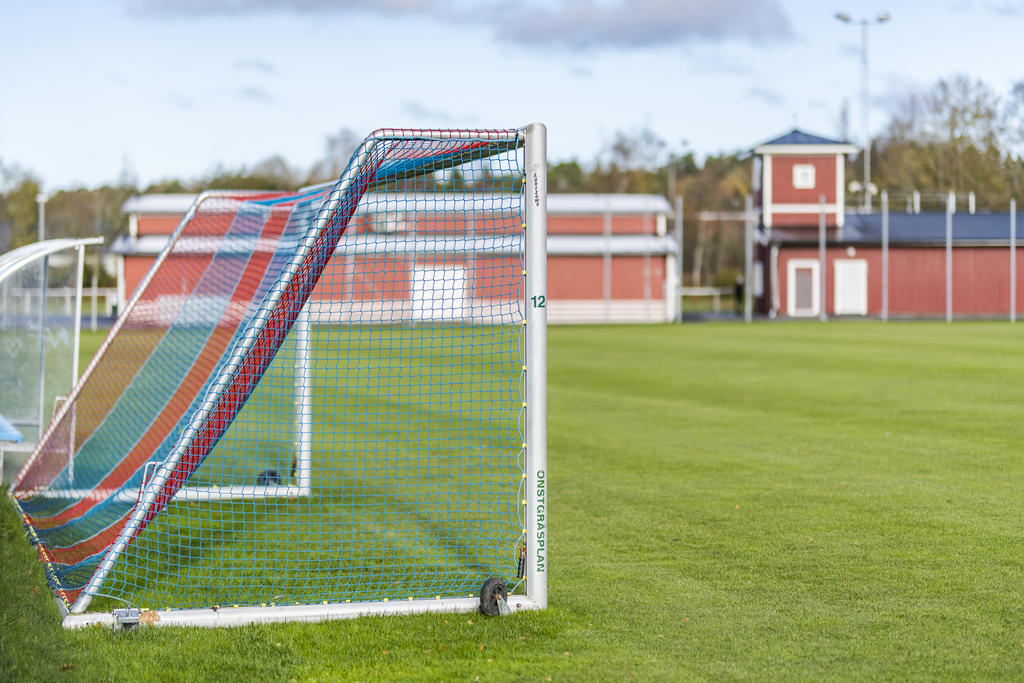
{"x":268,"y":478}
{"x":494,"y":596}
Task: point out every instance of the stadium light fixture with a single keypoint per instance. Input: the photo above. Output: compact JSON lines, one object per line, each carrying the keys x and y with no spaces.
{"x":880,"y":18}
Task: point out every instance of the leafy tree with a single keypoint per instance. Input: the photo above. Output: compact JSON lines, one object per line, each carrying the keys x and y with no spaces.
{"x":84,"y":213}
{"x":953,"y":136}
{"x":19,"y":208}
{"x":720,"y":185}
{"x":567,"y":176}
{"x":338,"y":149}
{"x":632,"y":162}
{"x":169,"y":186}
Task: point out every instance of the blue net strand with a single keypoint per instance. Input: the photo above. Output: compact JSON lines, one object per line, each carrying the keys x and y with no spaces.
{"x":327,"y":389}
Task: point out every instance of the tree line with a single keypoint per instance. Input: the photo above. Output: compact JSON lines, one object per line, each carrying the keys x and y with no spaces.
{"x":83,"y":212}
{"x":959,"y":134}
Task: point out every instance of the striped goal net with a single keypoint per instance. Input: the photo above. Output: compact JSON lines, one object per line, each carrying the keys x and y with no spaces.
{"x":313,"y":398}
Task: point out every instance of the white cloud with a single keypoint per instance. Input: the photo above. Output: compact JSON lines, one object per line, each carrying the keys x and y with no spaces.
{"x":424,"y":113}
{"x":255,"y":93}
{"x":239,"y":7}
{"x":1007,"y":8}
{"x":720,"y":64}
{"x":574,"y":25}
{"x":587,"y":24}
{"x":258,"y":65}
{"x":766,"y":95}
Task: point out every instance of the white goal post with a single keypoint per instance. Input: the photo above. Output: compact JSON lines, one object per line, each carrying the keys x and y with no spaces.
{"x":411,"y":404}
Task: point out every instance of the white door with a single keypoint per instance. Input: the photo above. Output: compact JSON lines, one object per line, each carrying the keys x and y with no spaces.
{"x":438,"y":293}
{"x":803,"y":287}
{"x":851,"y":286}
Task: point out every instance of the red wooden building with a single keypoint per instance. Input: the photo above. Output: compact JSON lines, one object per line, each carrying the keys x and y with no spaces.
{"x":980,"y":266}
{"x":793,"y":173}
{"x":610,"y":257}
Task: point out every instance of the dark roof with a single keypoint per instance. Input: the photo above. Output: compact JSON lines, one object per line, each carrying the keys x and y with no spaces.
{"x":921,"y":228}
{"x":931,"y":227}
{"x":799,"y":137}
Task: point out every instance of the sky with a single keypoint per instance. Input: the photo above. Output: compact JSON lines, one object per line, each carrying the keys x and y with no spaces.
{"x":156,"y":89}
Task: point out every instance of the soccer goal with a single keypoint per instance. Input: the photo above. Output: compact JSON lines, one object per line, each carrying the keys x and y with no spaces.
{"x":319,"y":404}
{"x":40,"y":321}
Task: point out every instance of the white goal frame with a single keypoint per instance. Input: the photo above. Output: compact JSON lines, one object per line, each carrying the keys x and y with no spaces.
{"x":303,"y":449}
{"x":10,"y":264}
{"x":534,"y":483}
{"x":303,"y":395}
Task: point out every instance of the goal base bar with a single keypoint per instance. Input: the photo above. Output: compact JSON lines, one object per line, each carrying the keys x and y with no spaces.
{"x":242,"y":616}
{"x":200,"y":494}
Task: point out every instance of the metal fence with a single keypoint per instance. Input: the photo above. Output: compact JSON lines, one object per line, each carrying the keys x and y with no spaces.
{"x":948,"y":266}
{"x":99,"y":302}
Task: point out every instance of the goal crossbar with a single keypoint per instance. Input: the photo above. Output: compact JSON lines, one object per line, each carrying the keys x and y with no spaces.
{"x":289,"y":259}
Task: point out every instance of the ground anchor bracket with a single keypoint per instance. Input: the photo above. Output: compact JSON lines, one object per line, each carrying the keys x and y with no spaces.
{"x":126,"y":619}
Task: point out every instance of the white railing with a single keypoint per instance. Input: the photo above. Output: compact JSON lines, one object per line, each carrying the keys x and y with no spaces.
{"x":716,"y":294}
{"x":61,"y":300}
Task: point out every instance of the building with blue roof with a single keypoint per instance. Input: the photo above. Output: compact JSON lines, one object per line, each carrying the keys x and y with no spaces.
{"x":982,"y":254}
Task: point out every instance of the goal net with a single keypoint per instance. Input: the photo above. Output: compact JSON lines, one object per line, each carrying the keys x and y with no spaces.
{"x":317,"y":399}
{"x":40,"y":313}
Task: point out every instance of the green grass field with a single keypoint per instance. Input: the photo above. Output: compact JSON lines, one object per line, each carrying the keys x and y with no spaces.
{"x":776,"y":501}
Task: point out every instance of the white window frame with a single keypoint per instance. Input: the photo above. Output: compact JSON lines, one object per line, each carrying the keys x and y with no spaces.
{"x":791,"y":267}
{"x":804,"y":176}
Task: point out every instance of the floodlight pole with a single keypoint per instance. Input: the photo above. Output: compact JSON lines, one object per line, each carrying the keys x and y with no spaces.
{"x":95,"y":285}
{"x":950,"y":201}
{"x":748,"y":261}
{"x":44,"y":281}
{"x":679,"y":253}
{"x":41,"y":200}
{"x":1013,"y":260}
{"x":865,"y":103}
{"x":885,"y":256}
{"x":43,"y":284}
{"x":822,"y":263}
{"x":79,"y":278}
{"x":881,"y":18}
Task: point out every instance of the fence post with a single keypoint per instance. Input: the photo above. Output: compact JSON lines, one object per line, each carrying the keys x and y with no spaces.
{"x":748,"y":261}
{"x":822,"y":265}
{"x":645,"y":260}
{"x":1013,"y":260}
{"x":41,"y":226}
{"x":679,"y":253}
{"x":950,"y":200}
{"x":43,"y":285}
{"x":607,"y":263}
{"x":95,"y":285}
{"x":80,"y":253}
{"x":885,"y":256}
